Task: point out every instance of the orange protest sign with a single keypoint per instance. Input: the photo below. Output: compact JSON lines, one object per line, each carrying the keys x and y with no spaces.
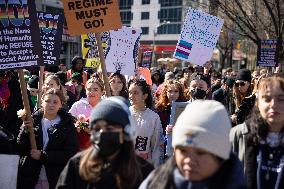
{"x":92,"y":16}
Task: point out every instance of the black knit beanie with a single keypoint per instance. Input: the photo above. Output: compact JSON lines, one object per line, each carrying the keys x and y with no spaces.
{"x":113,"y":110}
{"x":244,"y":75}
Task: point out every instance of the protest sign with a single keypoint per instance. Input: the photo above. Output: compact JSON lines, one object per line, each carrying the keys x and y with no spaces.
{"x":198,"y":37}
{"x":19,"y":35}
{"x":51,"y":28}
{"x":144,"y":73}
{"x":90,"y":49}
{"x":122,"y":50}
{"x":27,"y":110}
{"x":267,"y":55}
{"x":147,"y":59}
{"x":9,"y":171}
{"x":91,"y":16}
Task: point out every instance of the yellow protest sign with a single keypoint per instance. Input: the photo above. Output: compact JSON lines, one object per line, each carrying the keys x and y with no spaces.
{"x":90,"y":48}
{"x":91,"y":16}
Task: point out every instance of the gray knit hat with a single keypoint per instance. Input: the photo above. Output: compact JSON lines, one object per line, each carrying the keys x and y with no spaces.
{"x":204,"y":124}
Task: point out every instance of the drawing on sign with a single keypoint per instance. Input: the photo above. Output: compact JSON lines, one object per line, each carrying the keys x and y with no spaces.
{"x":90,"y":48}
{"x":19,"y":35}
{"x":51,"y":28}
{"x":122,"y":50}
{"x":198,"y":37}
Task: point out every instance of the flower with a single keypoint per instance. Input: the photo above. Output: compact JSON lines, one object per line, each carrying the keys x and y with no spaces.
{"x":22,"y":113}
{"x":83,"y":122}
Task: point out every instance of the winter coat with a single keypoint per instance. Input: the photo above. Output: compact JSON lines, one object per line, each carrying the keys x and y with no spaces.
{"x":229,"y":176}
{"x":70,"y":178}
{"x":245,"y":108}
{"x":247,"y":152}
{"x":62,"y":145}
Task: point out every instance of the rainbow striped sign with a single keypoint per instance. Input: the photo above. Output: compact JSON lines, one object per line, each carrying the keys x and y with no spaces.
{"x":183,"y":49}
{"x":198,"y":37}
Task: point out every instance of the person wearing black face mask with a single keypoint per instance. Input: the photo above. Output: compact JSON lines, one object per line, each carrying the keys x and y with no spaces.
{"x":198,"y":89}
{"x":111,"y":162}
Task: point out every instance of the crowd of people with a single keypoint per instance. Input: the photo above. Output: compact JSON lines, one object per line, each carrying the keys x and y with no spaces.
{"x":230,"y":134}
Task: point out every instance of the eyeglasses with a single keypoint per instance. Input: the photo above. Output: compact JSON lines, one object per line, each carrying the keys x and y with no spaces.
{"x":242,"y":83}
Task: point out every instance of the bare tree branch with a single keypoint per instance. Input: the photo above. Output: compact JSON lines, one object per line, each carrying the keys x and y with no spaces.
{"x":272,"y":16}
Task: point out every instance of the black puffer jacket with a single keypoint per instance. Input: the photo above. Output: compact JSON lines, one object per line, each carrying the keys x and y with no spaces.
{"x":62,"y":145}
{"x":70,"y":178}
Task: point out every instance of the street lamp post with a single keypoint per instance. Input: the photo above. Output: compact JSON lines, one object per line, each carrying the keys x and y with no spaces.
{"x":154,"y":40}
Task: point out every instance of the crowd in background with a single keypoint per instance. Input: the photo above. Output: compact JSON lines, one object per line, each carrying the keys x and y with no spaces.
{"x":230,"y":134}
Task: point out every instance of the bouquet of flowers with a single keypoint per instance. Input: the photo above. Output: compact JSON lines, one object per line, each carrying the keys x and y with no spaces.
{"x":82,"y":122}
{"x":82,"y":125}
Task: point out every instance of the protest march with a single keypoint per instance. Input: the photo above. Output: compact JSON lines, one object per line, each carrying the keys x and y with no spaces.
{"x":115,"y":94}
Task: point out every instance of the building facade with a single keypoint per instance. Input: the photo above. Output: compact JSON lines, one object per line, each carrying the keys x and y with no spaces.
{"x":160,"y":20}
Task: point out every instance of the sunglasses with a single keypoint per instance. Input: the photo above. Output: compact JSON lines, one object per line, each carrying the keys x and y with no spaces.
{"x":242,"y":83}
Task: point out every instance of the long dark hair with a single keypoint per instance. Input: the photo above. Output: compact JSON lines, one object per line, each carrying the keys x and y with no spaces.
{"x":127,"y":174}
{"x":145,"y":88}
{"x":258,"y":127}
{"x":124,"y":91}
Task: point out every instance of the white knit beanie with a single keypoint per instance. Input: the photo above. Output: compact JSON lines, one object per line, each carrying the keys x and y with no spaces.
{"x":204,"y":124}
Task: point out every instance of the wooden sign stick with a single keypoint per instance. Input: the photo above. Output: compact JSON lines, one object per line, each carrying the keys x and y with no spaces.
{"x":103,"y":65}
{"x":27,"y":107}
{"x":40,"y":83}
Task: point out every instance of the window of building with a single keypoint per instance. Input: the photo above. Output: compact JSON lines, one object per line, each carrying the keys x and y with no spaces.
{"x":167,"y":3}
{"x":169,"y":29}
{"x":125,"y":4}
{"x":170,"y":14}
{"x":145,"y":30}
{"x":145,"y":2}
{"x":126,"y":17}
{"x":145,"y":15}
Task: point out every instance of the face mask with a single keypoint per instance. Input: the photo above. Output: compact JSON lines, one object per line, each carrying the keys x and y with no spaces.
{"x":106,"y":143}
{"x":198,"y":93}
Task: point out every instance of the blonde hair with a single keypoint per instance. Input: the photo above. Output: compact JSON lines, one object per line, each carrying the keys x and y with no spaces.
{"x":97,"y":81}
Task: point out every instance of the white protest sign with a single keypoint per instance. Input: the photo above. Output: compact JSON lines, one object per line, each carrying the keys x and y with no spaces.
{"x":122,"y":51}
{"x":198,"y":37}
{"x":9,"y":171}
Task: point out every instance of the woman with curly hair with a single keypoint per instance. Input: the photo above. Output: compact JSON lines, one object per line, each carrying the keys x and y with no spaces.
{"x":259,"y":142}
{"x":172,"y":91}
